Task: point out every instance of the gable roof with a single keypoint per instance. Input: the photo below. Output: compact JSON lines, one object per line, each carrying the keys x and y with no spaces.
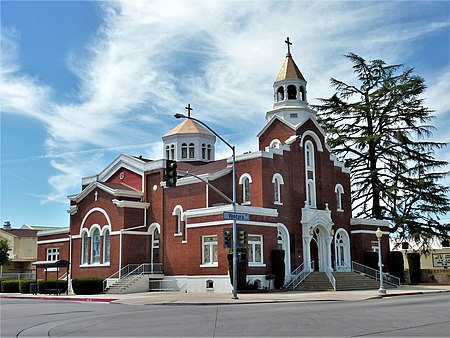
{"x":115,"y":189}
{"x":21,"y":232}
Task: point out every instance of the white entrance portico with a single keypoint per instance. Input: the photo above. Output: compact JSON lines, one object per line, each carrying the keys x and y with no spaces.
{"x":317,"y":226}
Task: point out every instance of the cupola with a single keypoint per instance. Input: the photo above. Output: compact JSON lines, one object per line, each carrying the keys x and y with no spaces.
{"x":289,"y":92}
{"x":189,"y":141}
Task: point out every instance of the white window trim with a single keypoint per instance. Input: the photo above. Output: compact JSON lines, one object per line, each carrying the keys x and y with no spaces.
{"x":104,"y":245}
{"x":277,"y":179}
{"x":241,"y":182}
{"x":92,"y":245}
{"x":84,"y":238}
{"x":178,"y":211}
{"x":339,"y":190}
{"x":251,"y":242}
{"x":55,"y":252}
{"x":309,"y":147}
{"x":211,"y":244}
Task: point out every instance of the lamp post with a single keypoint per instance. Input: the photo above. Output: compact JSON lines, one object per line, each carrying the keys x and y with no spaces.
{"x":379,"y":234}
{"x":178,"y":116}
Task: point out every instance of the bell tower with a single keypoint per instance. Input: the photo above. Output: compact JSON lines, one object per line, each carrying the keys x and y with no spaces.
{"x":289,"y":92}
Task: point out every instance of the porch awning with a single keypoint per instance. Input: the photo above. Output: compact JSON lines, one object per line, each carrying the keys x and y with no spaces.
{"x":52,"y":264}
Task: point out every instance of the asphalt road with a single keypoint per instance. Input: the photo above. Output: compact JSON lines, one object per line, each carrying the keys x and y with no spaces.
{"x":420,"y":315}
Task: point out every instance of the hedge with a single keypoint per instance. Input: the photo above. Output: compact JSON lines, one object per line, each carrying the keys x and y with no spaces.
{"x":51,"y":284}
{"x":87,"y":286}
{"x":414,"y":267}
{"x":10,"y":286}
{"x":397,"y":265}
{"x":278,"y":268}
{"x":24,"y":285}
{"x":1,"y":280}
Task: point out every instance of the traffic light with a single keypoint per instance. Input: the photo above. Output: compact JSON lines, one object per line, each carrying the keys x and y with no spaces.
{"x":171,"y":173}
{"x":242,"y":238}
{"x":227,"y":238}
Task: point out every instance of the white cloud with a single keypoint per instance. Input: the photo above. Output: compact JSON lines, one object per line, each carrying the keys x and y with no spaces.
{"x":146,"y":62}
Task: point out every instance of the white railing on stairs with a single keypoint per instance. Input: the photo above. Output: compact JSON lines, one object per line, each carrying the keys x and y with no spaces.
{"x":329,"y":272}
{"x":132,"y":269}
{"x":299,"y":275}
{"x":375,"y":274}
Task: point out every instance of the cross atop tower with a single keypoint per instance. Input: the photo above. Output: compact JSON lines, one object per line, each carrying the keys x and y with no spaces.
{"x":288,"y":44}
{"x":188,"y":108}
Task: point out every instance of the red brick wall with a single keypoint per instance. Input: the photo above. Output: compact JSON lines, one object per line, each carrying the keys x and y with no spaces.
{"x":130,"y":178}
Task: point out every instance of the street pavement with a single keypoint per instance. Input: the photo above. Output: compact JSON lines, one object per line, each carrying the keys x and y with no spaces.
{"x":216,"y":298}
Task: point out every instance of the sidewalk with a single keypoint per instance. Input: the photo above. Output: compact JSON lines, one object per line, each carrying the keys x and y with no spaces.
{"x":216,"y":298}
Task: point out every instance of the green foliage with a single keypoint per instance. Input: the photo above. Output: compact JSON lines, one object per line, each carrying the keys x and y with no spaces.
{"x":4,"y":251}
{"x":87,"y":286}
{"x":52,"y":285}
{"x":24,"y":285}
{"x":371,"y":259}
{"x":378,"y":125}
{"x":414,"y":266}
{"x":10,"y":286}
{"x":397,"y":265}
{"x":278,"y":267}
{"x":1,"y":280}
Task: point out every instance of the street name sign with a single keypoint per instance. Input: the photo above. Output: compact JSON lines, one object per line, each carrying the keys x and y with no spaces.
{"x":235,"y":216}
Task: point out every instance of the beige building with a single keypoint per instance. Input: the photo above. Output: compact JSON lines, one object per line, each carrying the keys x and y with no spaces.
{"x":23,"y":252}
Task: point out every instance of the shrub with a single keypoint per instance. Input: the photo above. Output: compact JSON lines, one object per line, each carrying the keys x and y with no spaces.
{"x":1,"y":280}
{"x":397,"y":265}
{"x":10,"y":286}
{"x":24,"y":285}
{"x":414,"y":266}
{"x":278,"y":267}
{"x":87,"y":286}
{"x":51,"y":284}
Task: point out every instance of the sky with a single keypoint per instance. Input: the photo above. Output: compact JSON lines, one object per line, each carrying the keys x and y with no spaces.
{"x":84,"y":81}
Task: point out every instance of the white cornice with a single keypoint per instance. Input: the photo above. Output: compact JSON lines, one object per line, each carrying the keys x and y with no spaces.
{"x":131,"y":163}
{"x":131,"y":204}
{"x":114,"y":192}
{"x":218,"y":210}
{"x":73,"y":209}
{"x":369,"y":221}
{"x":53,"y":232}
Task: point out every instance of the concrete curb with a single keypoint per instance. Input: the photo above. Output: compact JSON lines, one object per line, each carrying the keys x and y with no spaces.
{"x":75,"y":299}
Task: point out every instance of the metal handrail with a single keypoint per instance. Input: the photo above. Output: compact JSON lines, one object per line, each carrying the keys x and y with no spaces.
{"x":331,"y":278}
{"x":295,"y":274}
{"x":302,"y":276}
{"x":373,"y":273}
{"x":133,"y":269}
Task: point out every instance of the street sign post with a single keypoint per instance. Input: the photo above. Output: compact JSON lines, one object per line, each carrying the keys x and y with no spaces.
{"x":235,"y":216}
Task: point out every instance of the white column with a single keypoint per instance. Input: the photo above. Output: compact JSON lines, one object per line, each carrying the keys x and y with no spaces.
{"x":307,"y":253}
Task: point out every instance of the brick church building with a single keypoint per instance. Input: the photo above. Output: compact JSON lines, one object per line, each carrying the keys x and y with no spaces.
{"x":296,"y":193}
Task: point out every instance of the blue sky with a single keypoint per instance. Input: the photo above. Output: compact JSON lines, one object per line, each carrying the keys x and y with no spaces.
{"x":82,"y":82}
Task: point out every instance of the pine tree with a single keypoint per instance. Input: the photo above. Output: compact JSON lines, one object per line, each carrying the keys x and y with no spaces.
{"x":380,"y":128}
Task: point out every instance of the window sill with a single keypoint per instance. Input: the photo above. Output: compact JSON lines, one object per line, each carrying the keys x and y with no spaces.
{"x":178,"y":234}
{"x":214,"y":265}
{"x":340,"y":210}
{"x":257,"y":265}
{"x":278,"y":203}
{"x":183,"y":242}
{"x":246,"y":203}
{"x":94,"y":265}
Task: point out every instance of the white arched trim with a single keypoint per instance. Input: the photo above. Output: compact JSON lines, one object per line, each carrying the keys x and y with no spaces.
{"x":178,"y":211}
{"x":104,"y":229}
{"x":339,"y":190}
{"x":287,"y":252}
{"x":92,"y":229}
{"x":279,"y":177}
{"x":243,"y":176}
{"x":276,"y":143}
{"x":100,"y":210}
{"x":314,"y":136}
{"x":152,"y":228}
{"x":346,"y":250}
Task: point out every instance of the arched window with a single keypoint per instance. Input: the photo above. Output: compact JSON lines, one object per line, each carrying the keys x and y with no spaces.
{"x":310,"y":175}
{"x":168,"y":152}
{"x":178,"y":213}
{"x":291,"y":92}
{"x":191,"y":150}
{"x":84,"y":248}
{"x":209,"y":152}
{"x":95,"y":246}
{"x":280,"y":94}
{"x":275,"y":144}
{"x":184,"y":150}
{"x":172,"y":151}
{"x":302,"y":93}
{"x":106,"y":246}
{"x":339,"y":190}
{"x":203,"y":151}
{"x":277,"y":181}
{"x":245,"y":181}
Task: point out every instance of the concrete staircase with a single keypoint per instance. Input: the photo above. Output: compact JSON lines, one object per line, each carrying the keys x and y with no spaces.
{"x":133,"y":283}
{"x":346,"y":281}
{"x":316,"y":281}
